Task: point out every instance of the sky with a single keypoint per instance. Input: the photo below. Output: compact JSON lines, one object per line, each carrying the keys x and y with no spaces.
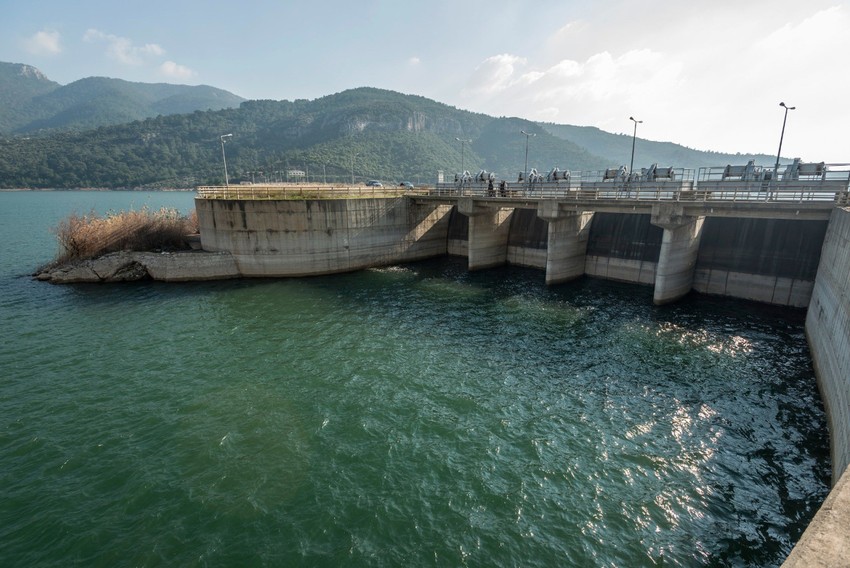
{"x":707,"y":74}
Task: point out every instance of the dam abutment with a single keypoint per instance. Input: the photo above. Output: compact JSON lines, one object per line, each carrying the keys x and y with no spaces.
{"x":825,"y":541}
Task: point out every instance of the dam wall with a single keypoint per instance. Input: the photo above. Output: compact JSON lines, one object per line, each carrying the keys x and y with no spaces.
{"x":623,"y":247}
{"x":766,"y":260}
{"x":826,"y":541}
{"x":458,"y":234}
{"x":321,"y":236}
{"x":828,"y":334}
{"x":527,"y":239}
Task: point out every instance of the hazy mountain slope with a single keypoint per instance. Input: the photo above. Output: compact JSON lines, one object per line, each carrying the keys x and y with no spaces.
{"x":618,"y":148}
{"x":19,"y":84}
{"x":29,"y":102}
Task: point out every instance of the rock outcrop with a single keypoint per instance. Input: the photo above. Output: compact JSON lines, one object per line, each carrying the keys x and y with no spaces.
{"x":131,"y":266}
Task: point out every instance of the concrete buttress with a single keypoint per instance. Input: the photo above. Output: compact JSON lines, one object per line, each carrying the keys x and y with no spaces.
{"x":674,"y":275}
{"x":567,"y":241}
{"x":489,"y":229}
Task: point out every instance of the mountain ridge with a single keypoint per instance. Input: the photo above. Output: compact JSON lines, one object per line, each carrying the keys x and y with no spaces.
{"x":32,"y":103}
{"x":355,"y":134}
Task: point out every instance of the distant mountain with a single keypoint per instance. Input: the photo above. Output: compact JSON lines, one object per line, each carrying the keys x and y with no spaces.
{"x":359,"y":134}
{"x":30,"y":103}
{"x":19,"y":84}
{"x":618,"y":148}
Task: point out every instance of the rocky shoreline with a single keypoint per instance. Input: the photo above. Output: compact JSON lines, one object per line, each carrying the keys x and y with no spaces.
{"x":126,"y":266}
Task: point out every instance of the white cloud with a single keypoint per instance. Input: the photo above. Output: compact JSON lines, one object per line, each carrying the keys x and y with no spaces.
{"x":45,"y":42}
{"x":414,"y":61}
{"x":704,"y":76}
{"x":493,"y":76}
{"x":122,"y":49}
{"x":576,"y":92}
{"x":174,"y":71}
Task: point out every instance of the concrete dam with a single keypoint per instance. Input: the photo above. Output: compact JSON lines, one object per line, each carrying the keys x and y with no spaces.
{"x":792,"y":252}
{"x":768,"y":254}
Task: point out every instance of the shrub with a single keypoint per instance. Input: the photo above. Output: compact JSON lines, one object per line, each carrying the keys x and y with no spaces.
{"x":89,"y":236}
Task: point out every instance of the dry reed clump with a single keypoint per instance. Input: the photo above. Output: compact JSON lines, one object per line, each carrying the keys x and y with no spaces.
{"x":89,"y":236}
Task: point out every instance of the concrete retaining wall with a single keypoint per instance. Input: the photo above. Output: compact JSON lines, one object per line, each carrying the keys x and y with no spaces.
{"x":828,"y":333}
{"x":826,"y":541}
{"x":308,"y":237}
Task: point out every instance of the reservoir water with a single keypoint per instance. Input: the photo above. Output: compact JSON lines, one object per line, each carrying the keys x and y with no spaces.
{"x":415,"y":415}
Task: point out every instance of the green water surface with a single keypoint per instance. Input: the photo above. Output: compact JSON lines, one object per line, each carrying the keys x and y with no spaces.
{"x":416,"y":415}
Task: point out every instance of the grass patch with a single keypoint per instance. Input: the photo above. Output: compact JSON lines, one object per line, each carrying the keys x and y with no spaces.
{"x":89,"y":236}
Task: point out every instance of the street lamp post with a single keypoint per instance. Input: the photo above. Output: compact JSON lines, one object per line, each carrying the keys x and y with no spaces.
{"x":634,"y":137}
{"x":527,"y":135}
{"x":352,"y":167}
{"x":781,"y":136}
{"x":462,"y":142}
{"x":224,"y":158}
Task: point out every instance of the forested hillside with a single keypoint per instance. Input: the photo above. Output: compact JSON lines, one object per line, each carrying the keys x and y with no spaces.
{"x":354,"y":135}
{"x":364,"y":133}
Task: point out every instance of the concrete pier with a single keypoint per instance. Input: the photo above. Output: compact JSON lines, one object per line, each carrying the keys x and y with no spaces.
{"x":567,"y":241}
{"x":489,"y":228}
{"x":674,"y":275}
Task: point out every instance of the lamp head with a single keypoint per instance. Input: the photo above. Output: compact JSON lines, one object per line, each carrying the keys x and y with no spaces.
{"x":786,"y":106}
{"x":636,"y":120}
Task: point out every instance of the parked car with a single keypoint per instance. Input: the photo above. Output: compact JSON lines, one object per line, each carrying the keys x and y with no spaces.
{"x":374,"y":183}
{"x":406,"y":185}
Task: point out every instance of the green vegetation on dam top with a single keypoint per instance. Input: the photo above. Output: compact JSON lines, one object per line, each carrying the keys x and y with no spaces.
{"x":413,"y":415}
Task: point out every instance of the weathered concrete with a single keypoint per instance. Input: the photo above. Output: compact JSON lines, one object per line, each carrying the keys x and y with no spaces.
{"x":489,"y":228}
{"x":766,"y":260}
{"x":756,"y":287}
{"x":321,"y":236}
{"x":525,"y":256}
{"x":826,"y":542}
{"x":527,"y":239}
{"x":828,"y":334}
{"x":674,"y":275}
{"x":131,"y":266}
{"x":620,"y":269}
{"x":567,"y":241}
{"x":623,"y":247}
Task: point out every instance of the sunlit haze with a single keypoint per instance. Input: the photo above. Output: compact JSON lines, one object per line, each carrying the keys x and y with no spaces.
{"x":705,"y":74}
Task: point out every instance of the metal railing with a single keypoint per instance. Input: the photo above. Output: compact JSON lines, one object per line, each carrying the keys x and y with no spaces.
{"x":293,"y":191}
{"x":712,"y":185}
{"x":667,"y":191}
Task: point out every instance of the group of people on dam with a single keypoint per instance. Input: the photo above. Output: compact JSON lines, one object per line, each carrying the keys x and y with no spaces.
{"x":798,"y":181}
